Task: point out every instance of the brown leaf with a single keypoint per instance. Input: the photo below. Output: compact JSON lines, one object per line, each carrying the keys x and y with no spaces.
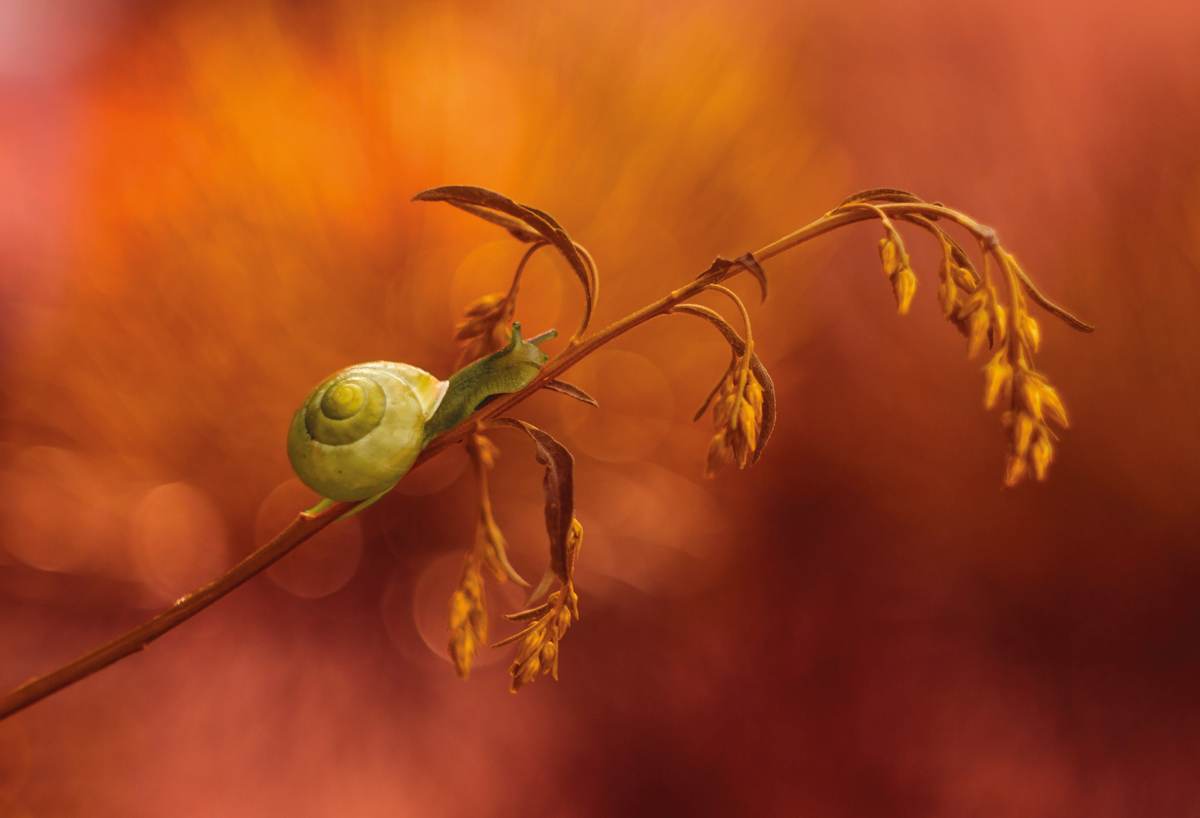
{"x":570,"y":390}
{"x":515,"y":228}
{"x":746,"y":261}
{"x":559,"y":486}
{"x":739,"y":347}
{"x":751,"y":265}
{"x":881,"y":194}
{"x":527,"y":224}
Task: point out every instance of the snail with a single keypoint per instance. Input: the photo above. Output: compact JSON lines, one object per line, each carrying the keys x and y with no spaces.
{"x":363,"y":427}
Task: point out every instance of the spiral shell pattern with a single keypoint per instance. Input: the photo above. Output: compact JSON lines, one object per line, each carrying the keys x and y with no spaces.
{"x":362,"y":428}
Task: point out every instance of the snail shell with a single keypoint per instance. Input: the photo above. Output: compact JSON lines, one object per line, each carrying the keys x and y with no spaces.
{"x":362,"y":428}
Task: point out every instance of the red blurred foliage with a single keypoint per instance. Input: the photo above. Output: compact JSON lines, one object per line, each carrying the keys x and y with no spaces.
{"x":204,"y":210}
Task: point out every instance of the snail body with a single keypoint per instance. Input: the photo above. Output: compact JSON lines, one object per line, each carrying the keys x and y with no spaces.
{"x":363,"y":427}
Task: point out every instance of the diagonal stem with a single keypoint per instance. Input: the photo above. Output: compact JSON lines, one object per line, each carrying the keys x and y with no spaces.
{"x":307,"y":524}
{"x":300,"y":529}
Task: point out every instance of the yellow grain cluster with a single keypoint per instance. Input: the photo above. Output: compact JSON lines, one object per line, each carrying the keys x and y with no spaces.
{"x":898,"y":268}
{"x":468,"y":617}
{"x":538,"y":651}
{"x":971,"y":302}
{"x":737,"y":416}
{"x":1033,"y":404}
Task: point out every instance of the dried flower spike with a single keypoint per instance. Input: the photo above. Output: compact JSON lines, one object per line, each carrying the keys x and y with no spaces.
{"x":897,"y":267}
{"x":737,"y":416}
{"x":468,"y":617}
{"x":1033,"y":403}
{"x":538,"y":652}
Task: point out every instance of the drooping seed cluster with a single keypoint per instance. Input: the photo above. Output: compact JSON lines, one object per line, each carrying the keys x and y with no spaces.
{"x":468,"y":603}
{"x":897,"y":266}
{"x":737,"y":416}
{"x":1033,"y":403}
{"x":971,"y":303}
{"x":468,"y":617}
{"x":538,"y":651}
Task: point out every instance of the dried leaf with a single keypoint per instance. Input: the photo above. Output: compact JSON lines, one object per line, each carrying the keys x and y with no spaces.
{"x":881,"y":194}
{"x":516,"y":229}
{"x":746,"y":261}
{"x":559,"y":485}
{"x":526,"y":224}
{"x":570,"y":390}
{"x":751,"y":265}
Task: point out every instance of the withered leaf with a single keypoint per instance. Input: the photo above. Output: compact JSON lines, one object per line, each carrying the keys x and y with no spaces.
{"x":738,"y":345}
{"x":570,"y":390}
{"x":746,"y":261}
{"x":527,"y":224}
{"x":751,"y":265}
{"x":559,"y":486}
{"x":881,"y":194}
{"x":515,"y":228}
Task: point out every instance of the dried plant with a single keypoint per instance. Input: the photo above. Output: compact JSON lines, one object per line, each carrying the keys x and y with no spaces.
{"x":743,"y":404}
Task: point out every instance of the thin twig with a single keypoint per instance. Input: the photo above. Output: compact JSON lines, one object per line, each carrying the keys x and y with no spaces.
{"x":300,"y":529}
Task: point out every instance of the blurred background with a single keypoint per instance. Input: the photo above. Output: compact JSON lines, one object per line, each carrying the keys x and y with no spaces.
{"x":204,"y":210}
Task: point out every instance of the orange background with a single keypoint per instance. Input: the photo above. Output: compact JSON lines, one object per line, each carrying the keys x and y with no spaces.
{"x":204,"y":210}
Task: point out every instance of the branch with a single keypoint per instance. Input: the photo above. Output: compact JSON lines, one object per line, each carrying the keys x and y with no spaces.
{"x":307,"y":524}
{"x":300,"y":529}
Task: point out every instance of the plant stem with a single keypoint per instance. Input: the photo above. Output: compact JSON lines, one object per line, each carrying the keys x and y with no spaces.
{"x":306,"y":525}
{"x":299,"y":530}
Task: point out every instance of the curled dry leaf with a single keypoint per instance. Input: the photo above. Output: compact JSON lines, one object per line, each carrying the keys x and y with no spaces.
{"x":570,"y":390}
{"x":559,"y":486}
{"x":881,"y":194}
{"x":746,"y":261}
{"x":527,"y":224}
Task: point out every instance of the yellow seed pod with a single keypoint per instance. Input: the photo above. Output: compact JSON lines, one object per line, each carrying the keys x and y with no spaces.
{"x":889,"y":254}
{"x":1042,"y":454}
{"x":362,"y":428}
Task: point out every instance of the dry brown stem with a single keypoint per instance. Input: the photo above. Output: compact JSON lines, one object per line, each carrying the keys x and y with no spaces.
{"x":970,"y":301}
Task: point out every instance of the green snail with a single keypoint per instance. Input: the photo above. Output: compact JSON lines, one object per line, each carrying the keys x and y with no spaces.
{"x":363,"y":427}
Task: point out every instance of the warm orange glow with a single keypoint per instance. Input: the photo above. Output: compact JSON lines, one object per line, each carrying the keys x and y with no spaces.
{"x":204,"y":210}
